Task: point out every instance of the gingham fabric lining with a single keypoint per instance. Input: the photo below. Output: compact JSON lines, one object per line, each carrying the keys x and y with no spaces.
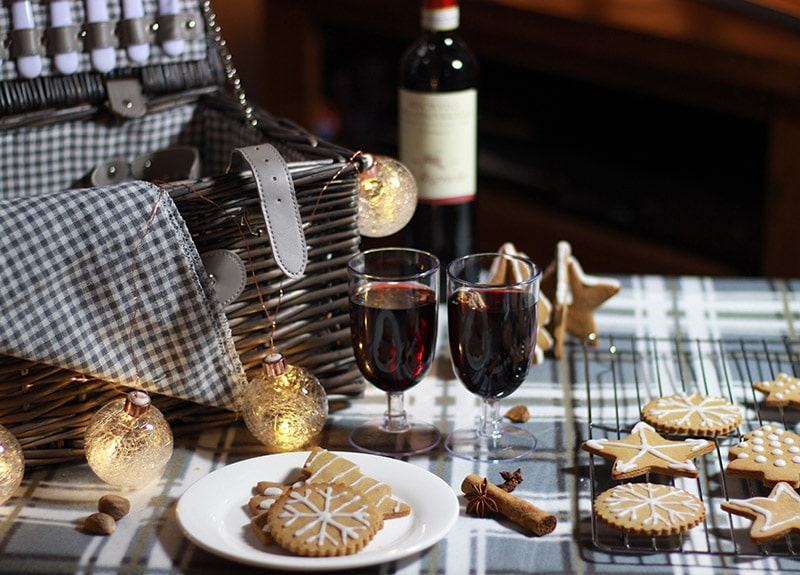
{"x":67,"y":271}
{"x":194,"y":49}
{"x":58,"y":156}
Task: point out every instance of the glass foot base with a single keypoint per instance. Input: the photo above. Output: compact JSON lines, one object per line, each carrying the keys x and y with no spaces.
{"x":371,"y":437}
{"x":515,"y":443}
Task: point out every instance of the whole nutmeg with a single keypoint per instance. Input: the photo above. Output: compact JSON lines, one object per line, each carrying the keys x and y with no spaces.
{"x":114,"y":505}
{"x":99,"y":524}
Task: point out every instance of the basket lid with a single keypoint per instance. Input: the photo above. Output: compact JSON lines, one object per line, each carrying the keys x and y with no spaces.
{"x":62,"y":54}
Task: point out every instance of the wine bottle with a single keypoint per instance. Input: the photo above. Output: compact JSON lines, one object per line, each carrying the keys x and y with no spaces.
{"x":437,"y":111}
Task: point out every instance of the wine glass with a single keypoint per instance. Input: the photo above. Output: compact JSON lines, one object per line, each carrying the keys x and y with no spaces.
{"x":394,"y":294}
{"x":492,"y":332}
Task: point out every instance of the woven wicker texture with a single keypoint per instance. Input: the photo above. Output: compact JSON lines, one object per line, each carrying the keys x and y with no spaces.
{"x":48,"y":407}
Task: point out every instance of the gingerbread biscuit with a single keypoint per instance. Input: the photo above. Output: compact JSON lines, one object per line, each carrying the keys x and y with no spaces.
{"x":649,"y":508}
{"x":692,"y":414}
{"x":646,"y":451}
{"x":267,"y":492}
{"x":768,"y":453}
{"x":260,"y":527}
{"x":773,"y":516}
{"x":782,"y":391}
{"x":323,"y":466}
{"x":323,"y":520}
{"x":504,"y":271}
{"x":577,"y":296}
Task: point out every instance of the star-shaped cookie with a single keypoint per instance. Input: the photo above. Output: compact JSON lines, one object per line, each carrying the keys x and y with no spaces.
{"x":782,"y":391}
{"x":578,"y":295}
{"x":504,"y":271}
{"x":646,"y":451}
{"x":773,"y":516}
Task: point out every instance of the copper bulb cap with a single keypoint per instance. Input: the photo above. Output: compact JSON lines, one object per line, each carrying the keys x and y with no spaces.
{"x":274,"y":365}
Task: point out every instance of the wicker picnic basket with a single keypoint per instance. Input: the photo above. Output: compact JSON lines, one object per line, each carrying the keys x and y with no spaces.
{"x":46,"y":406}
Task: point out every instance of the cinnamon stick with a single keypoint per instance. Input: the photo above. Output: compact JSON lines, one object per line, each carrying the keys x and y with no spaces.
{"x":519,"y":511}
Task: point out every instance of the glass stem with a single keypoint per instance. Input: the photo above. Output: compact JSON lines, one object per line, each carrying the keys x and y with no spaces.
{"x":491,"y":421}
{"x":394,"y":418}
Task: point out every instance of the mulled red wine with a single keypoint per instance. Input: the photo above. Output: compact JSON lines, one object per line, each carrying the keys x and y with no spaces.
{"x":492,"y":338}
{"x":393,"y":327}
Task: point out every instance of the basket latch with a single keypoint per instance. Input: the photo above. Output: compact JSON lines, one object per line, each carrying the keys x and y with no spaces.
{"x":278,"y":204}
{"x":125,"y":98}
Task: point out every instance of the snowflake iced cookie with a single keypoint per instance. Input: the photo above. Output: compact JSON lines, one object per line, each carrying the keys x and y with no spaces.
{"x":782,"y":391}
{"x":773,"y":516}
{"x":323,"y":520}
{"x":649,"y":508}
{"x":692,"y":414}
{"x":768,"y":453}
{"x":646,"y":451}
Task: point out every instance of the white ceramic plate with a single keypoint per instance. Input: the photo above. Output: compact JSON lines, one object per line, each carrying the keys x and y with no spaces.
{"x":213,"y":512}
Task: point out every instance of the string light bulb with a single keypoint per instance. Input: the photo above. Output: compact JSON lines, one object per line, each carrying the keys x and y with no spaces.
{"x":286,"y":407}
{"x":12,"y":464}
{"x":128,"y":441}
{"x":387,"y":195}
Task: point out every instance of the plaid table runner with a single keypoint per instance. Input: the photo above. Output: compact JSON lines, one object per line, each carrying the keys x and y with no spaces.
{"x":38,"y":527}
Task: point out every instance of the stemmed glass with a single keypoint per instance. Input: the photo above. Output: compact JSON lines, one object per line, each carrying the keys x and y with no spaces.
{"x":394,"y":294}
{"x":492,"y":332}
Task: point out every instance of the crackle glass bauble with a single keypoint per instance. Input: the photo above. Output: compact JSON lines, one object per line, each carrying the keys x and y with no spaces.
{"x":128,"y":441}
{"x":286,"y":407}
{"x":12,"y":464}
{"x":387,"y":196}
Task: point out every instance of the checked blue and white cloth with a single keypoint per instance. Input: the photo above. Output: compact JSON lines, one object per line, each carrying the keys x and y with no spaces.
{"x":108,"y":283}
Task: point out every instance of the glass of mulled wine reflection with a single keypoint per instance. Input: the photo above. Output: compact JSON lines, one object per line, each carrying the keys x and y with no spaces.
{"x":492,"y":333}
{"x":393,"y":321}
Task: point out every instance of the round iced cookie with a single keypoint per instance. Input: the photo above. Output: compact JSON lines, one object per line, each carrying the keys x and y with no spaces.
{"x":323,"y":520}
{"x":649,"y":508}
{"x":692,"y":414}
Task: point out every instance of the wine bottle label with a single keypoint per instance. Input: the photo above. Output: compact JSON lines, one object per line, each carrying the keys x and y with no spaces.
{"x":440,"y":18}
{"x":438,"y":143}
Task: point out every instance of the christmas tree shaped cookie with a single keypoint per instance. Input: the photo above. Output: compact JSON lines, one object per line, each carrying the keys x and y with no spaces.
{"x":768,"y":453}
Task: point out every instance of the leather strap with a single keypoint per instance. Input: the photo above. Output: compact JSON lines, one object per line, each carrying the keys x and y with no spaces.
{"x":278,"y":204}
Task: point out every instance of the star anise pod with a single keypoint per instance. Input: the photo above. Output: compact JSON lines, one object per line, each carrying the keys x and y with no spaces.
{"x":479,"y":501}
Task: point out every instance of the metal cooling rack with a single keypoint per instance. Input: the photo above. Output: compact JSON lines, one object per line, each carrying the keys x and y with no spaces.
{"x":623,"y":374}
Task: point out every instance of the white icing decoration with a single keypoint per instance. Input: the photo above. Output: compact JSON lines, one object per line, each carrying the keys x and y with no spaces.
{"x":760,"y":458}
{"x":777,"y":452}
{"x":273,"y":491}
{"x":796,"y":459}
{"x":713,"y":412}
{"x":669,"y":507}
{"x":780,"y":463}
{"x":355,"y":479}
{"x":794,"y":449}
{"x":743,"y":455}
{"x":639,"y":451}
{"x":758,"y":448}
{"x":330,"y":514}
{"x":777,"y":514}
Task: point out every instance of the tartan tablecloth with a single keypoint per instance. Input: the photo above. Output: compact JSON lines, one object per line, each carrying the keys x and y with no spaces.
{"x":586,"y":392}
